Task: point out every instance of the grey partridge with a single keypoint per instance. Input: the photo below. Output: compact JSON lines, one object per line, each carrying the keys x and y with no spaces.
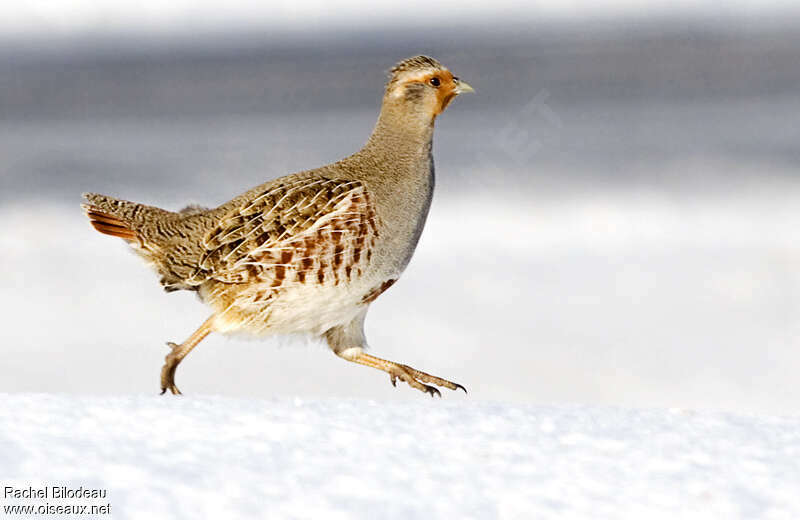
{"x":310,"y":251}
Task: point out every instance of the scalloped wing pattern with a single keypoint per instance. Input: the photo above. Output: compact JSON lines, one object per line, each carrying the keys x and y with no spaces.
{"x":313,"y":231}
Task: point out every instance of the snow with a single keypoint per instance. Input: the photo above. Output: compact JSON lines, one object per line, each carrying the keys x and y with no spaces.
{"x":215,"y":457}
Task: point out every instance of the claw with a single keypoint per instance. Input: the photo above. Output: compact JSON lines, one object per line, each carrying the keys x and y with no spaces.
{"x":179,"y":352}
{"x":168,"y":371}
{"x":414,"y":378}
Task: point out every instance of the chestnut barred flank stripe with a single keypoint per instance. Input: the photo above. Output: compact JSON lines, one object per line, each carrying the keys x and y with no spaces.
{"x":310,"y":230}
{"x":377,"y":291}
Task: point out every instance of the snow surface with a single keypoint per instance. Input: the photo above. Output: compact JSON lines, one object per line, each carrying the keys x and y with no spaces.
{"x":213,"y":457}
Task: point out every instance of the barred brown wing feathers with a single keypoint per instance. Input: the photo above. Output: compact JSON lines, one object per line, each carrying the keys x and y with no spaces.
{"x":316,"y":231}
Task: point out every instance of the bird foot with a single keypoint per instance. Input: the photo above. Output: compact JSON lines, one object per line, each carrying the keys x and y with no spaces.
{"x":413,"y":377}
{"x":417,"y":379}
{"x":168,"y":370}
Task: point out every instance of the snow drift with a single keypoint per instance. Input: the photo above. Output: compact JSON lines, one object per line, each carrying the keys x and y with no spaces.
{"x":213,"y":457}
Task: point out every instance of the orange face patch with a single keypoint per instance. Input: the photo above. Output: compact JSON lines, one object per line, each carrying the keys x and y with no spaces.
{"x":445,"y":90}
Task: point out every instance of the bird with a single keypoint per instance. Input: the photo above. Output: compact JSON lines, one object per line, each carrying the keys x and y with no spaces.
{"x":311,"y":251}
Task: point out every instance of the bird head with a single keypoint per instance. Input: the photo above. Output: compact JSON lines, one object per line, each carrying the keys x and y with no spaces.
{"x":423,"y":86}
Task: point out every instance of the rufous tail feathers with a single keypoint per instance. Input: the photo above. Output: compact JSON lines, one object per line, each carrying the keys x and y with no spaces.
{"x":109,"y":224}
{"x":115,"y":217}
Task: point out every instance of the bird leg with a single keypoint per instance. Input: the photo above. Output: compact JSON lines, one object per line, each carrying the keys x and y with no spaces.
{"x":414,"y":378}
{"x":179,"y":352}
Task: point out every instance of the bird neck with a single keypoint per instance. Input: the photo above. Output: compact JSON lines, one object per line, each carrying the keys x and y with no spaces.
{"x":401,"y":134}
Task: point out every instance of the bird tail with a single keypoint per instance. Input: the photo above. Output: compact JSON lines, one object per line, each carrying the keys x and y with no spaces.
{"x":109,"y":224}
{"x":148,"y":230}
{"x":118,"y":218}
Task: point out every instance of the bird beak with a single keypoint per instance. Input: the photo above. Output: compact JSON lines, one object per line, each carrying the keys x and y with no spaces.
{"x":463,"y":87}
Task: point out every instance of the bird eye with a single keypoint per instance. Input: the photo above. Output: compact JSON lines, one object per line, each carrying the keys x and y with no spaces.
{"x":435,"y":81}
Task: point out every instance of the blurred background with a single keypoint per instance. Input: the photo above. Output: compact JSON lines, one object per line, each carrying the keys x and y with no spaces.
{"x":616,"y":218}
